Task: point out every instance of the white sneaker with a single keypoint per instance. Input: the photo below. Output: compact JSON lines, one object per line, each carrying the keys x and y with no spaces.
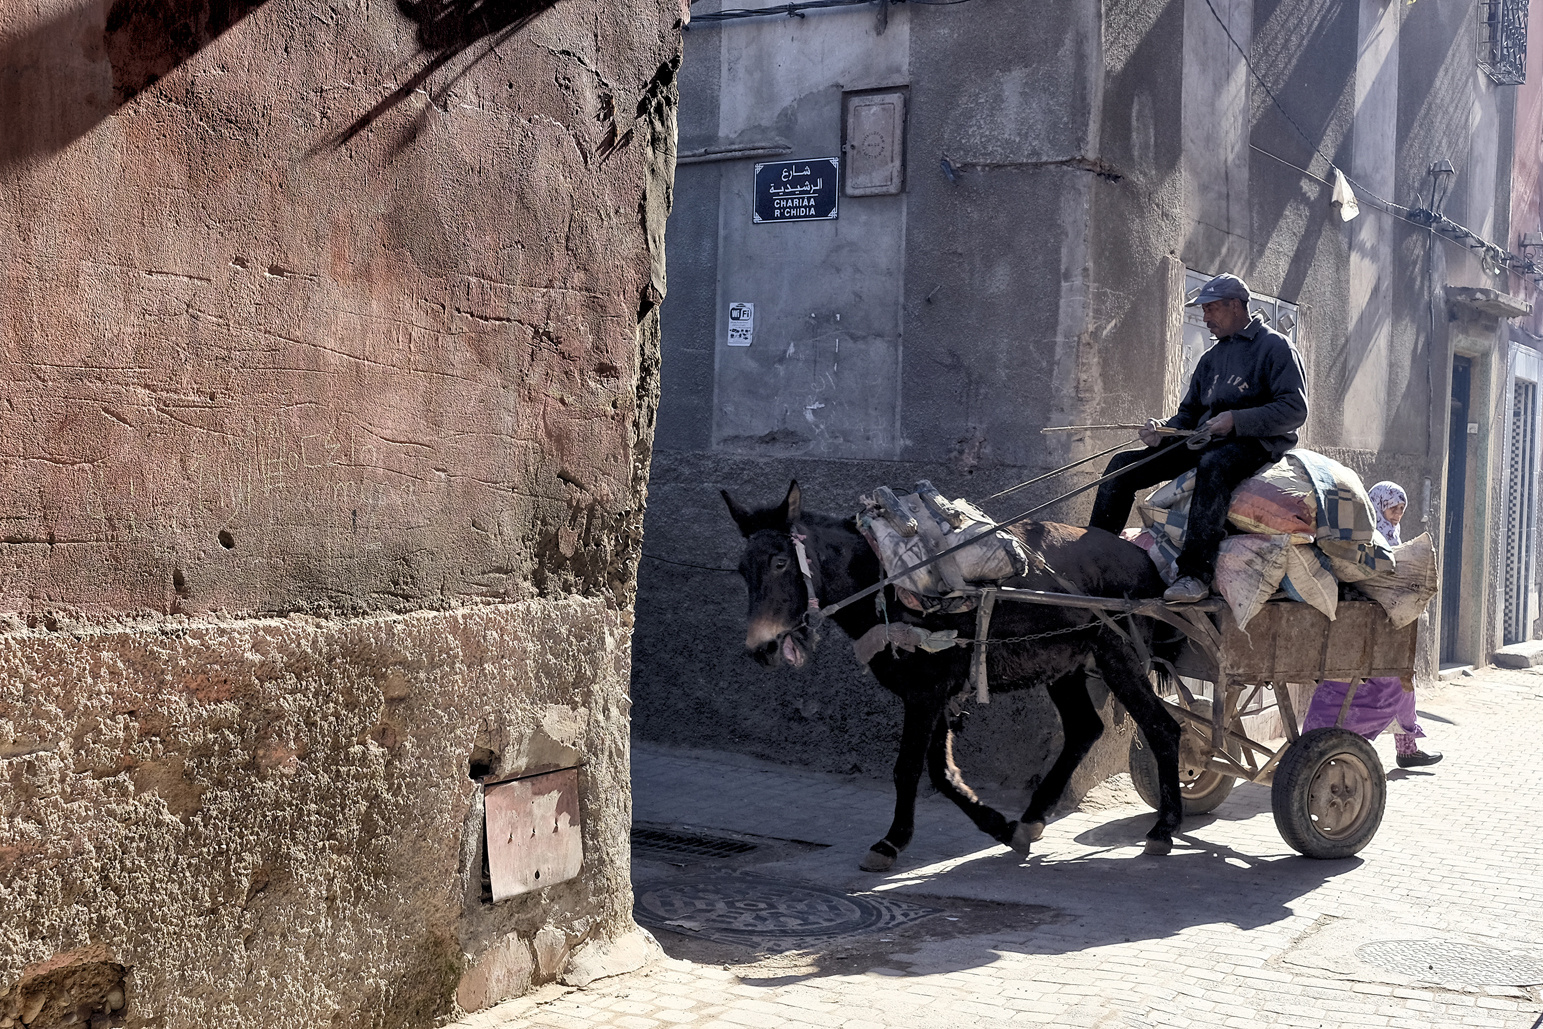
{"x":1187,"y":590}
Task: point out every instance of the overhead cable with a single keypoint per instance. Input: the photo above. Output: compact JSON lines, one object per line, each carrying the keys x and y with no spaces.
{"x":1439,"y":224}
{"x":1249,"y":64}
{"x":1432,"y":220}
{"x":797,"y":8}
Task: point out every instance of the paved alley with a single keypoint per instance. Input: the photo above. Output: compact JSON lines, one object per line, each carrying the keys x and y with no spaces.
{"x":1438,"y":922}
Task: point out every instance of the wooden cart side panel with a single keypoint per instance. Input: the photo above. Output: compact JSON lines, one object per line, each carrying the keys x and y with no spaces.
{"x":1288,"y":641}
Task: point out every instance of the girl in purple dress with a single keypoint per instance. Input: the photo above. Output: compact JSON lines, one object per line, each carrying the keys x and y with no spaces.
{"x":1381,"y":702}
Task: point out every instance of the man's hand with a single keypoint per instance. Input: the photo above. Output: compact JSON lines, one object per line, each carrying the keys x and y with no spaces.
{"x":1221,"y":425}
{"x":1149,"y":435}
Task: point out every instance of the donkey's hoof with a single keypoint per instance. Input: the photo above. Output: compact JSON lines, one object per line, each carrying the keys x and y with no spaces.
{"x":1157,"y":848}
{"x":876,"y":861}
{"x":1024,"y":834}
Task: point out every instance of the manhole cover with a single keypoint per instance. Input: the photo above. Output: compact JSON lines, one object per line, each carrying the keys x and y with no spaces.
{"x":1446,"y":961}
{"x":672,"y":841}
{"x":768,"y":914}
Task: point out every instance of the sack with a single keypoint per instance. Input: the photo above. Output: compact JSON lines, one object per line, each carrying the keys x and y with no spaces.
{"x":1356,"y":562}
{"x":1310,"y":580}
{"x":908,"y":529}
{"x":1405,"y":591}
{"x":1249,"y":569}
{"x":1279,"y":499}
{"x":998,"y":555}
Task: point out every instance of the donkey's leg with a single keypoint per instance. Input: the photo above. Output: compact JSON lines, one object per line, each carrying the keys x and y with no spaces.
{"x":1128,"y":682}
{"x":921,"y":714}
{"x":1081,"y":727}
{"x":950,"y":782}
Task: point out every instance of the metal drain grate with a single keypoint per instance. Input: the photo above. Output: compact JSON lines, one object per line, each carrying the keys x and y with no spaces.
{"x":765,"y":913}
{"x":1445,"y":961}
{"x":673,"y":841}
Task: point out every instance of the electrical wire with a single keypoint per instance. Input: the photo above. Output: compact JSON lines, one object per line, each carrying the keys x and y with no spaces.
{"x":1438,"y":225}
{"x":797,"y":7}
{"x":688,"y":564}
{"x":1249,"y":64}
{"x":792,"y":10}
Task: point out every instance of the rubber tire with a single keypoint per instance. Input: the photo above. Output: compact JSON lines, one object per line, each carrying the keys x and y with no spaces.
{"x":1143,"y":772}
{"x":1291,"y":791}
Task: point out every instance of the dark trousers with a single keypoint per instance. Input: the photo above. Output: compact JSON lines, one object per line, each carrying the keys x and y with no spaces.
{"x":1222,"y":466}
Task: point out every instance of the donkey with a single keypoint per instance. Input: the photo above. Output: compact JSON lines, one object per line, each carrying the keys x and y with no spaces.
{"x":1095,"y":562}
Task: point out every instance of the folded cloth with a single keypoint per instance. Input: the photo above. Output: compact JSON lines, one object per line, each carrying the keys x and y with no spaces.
{"x":1279,"y":499}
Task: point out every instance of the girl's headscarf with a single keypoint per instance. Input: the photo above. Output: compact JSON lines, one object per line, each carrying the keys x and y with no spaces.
{"x":1383,"y":496}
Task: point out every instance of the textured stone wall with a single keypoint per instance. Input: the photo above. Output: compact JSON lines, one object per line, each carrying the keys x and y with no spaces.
{"x":331,"y":344}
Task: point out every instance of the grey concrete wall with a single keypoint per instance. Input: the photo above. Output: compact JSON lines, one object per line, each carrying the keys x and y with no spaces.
{"x":1100,"y":149}
{"x":958,"y":320}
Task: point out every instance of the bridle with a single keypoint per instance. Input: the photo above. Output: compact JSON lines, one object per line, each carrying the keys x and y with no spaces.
{"x":799,"y":538}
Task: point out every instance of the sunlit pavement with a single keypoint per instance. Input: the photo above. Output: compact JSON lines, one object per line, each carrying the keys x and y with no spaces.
{"x":1438,"y":922}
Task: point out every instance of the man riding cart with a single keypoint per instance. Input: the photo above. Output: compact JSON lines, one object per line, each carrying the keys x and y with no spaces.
{"x":1245,"y":402}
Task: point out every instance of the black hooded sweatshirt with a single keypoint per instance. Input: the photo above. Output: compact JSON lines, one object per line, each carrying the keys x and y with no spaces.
{"x":1257,"y":375}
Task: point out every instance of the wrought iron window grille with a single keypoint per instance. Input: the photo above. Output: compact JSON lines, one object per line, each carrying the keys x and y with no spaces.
{"x":1503,"y":40}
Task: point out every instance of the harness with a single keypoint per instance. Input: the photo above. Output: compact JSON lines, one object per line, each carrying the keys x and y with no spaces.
{"x":799,"y":539}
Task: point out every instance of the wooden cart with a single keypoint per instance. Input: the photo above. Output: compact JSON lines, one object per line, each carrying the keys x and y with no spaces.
{"x":1328,"y":788}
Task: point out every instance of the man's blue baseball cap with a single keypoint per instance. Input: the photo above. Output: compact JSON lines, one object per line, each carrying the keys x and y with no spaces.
{"x":1223,"y":287}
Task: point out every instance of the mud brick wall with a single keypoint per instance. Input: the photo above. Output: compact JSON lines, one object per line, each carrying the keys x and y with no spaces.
{"x":330,"y":344}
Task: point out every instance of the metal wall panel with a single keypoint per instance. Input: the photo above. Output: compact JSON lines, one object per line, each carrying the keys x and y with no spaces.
{"x":875,"y":144}
{"x":533,"y":832}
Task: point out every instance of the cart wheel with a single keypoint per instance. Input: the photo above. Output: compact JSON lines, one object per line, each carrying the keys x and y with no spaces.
{"x":1203,"y":790}
{"x":1329,"y":794}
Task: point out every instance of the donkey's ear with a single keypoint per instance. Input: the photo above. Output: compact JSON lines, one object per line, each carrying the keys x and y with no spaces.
{"x":742,"y":518}
{"x":793,"y":504}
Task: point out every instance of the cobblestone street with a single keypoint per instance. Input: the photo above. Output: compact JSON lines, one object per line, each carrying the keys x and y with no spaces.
{"x":1437,"y":923}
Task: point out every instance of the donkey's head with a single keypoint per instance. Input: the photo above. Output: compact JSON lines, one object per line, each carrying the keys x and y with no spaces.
{"x":777,"y":628}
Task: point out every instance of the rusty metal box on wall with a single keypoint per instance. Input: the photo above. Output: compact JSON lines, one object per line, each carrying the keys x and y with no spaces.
{"x":534,"y":835}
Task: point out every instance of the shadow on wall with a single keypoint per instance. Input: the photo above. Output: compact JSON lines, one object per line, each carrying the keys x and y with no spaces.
{"x":447,"y":29}
{"x":66,"y":75}
{"x":63,"y":77}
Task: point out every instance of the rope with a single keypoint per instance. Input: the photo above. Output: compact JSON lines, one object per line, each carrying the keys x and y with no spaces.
{"x":688,"y":564}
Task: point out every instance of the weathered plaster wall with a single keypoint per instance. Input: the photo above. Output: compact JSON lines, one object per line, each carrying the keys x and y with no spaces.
{"x":270,"y":821}
{"x":1527,"y":174}
{"x":824,"y":375}
{"x":389,"y":366}
{"x":331,"y":341}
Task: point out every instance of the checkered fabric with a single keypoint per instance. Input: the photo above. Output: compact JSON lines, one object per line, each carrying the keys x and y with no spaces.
{"x":1347,"y":527}
{"x":1166,"y":510}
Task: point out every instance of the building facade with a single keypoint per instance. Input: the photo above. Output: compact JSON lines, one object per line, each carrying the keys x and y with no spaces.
{"x":1049,"y":180}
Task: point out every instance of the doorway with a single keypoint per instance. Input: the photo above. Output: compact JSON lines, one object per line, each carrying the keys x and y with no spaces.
{"x":1456,"y":504}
